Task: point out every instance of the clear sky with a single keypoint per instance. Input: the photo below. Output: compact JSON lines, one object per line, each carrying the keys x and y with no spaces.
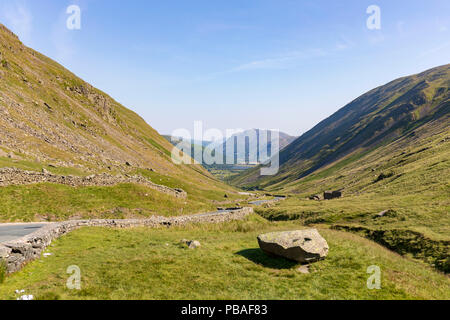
{"x":273,"y":64}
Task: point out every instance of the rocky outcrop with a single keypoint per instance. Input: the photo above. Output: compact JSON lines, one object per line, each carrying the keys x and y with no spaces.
{"x":17,"y":253}
{"x":12,"y":176}
{"x":304,"y":246}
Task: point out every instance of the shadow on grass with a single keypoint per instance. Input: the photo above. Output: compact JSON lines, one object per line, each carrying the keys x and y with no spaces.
{"x":259,"y":257}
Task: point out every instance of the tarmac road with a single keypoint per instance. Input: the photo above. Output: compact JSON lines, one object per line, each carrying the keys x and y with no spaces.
{"x":10,"y":232}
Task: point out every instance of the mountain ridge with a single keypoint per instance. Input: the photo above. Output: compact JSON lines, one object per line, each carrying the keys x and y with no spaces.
{"x":378,"y":116}
{"x":51,"y":120}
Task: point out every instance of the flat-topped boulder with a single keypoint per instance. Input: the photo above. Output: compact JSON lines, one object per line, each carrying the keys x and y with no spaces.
{"x":304,"y":246}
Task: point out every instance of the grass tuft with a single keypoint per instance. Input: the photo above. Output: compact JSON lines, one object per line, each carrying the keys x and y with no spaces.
{"x":2,"y":270}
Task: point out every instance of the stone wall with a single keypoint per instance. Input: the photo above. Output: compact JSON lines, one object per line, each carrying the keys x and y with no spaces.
{"x":13,"y":176}
{"x":18,"y":252}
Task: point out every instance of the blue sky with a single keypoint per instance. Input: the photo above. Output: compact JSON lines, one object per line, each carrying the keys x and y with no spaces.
{"x":270,"y":64}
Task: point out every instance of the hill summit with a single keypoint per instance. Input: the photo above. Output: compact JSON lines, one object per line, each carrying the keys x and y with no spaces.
{"x":58,"y":125}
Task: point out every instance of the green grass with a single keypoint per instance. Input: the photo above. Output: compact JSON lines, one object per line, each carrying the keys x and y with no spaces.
{"x":412,"y":180}
{"x":424,"y":215}
{"x":152,"y":264}
{"x":2,"y":271}
{"x":37,"y":166}
{"x":54,"y":202}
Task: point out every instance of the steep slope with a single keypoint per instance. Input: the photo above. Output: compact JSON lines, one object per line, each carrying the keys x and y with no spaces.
{"x":50,"y":119}
{"x":389,"y":154}
{"x":377,"y":118}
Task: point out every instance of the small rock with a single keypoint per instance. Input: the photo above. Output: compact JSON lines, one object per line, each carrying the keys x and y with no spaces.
{"x":26,"y":297}
{"x":303,"y":269}
{"x":225,"y":196}
{"x":385,"y":213}
{"x":192,"y":244}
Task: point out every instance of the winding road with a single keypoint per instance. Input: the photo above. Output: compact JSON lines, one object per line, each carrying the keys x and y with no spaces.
{"x":261,"y":202}
{"x":15,"y":231}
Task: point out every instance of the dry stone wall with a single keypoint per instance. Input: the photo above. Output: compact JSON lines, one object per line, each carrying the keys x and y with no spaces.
{"x":13,"y":176}
{"x":19,"y":252}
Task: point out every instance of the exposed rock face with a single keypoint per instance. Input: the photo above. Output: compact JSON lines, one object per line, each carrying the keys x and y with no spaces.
{"x":304,"y":246}
{"x":12,"y":176}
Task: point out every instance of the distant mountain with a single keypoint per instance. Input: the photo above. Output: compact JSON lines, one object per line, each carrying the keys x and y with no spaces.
{"x":176,"y":140}
{"x":248,"y":143}
{"x":379,"y":117}
{"x":245,"y":140}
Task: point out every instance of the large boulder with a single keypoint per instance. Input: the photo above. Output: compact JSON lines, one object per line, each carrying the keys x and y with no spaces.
{"x":304,"y":246}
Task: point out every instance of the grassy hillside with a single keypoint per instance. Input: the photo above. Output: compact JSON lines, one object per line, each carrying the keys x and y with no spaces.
{"x":153,"y":264}
{"x":387,"y":150}
{"x":409,"y":177}
{"x":51,"y":119}
{"x":379,"y":117}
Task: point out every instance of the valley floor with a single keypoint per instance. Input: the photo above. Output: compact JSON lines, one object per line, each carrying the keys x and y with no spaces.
{"x":410,"y":225}
{"x":153,"y":264}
